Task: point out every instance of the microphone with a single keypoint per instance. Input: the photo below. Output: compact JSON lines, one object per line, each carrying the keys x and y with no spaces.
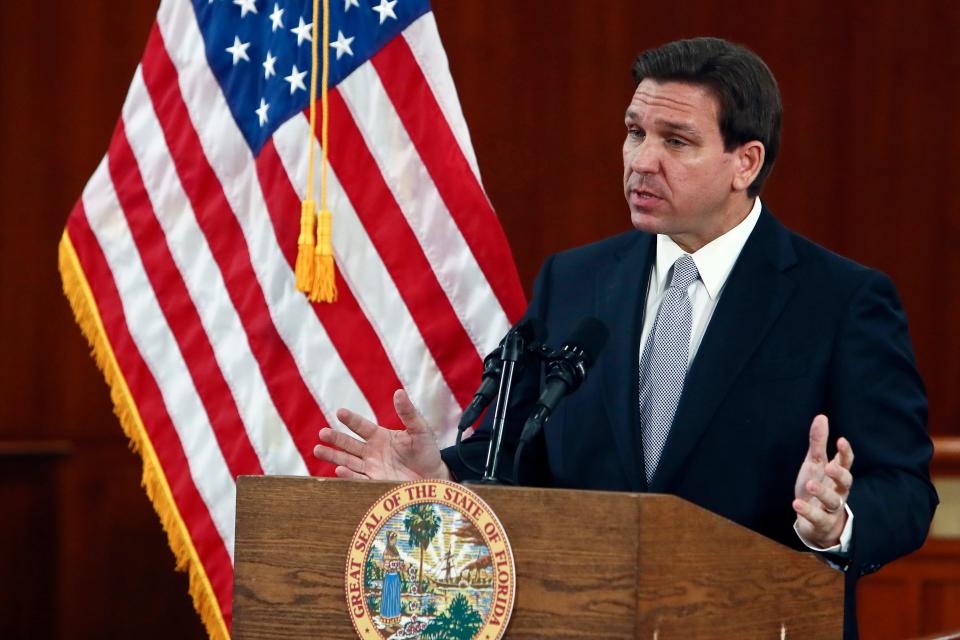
{"x":534,"y":333}
{"x":566,"y":371}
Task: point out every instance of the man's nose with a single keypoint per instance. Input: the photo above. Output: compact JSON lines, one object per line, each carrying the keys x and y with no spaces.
{"x":645,"y":158}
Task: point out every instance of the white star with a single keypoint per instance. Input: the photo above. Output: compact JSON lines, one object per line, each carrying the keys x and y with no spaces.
{"x":276,"y":18}
{"x":239,"y":50}
{"x":296,"y":79}
{"x":342,"y":45}
{"x":385,"y":9}
{"x":246,"y":6}
{"x":303,"y":31}
{"x":268,"y":69}
{"x":262,"y":111}
{"x":350,"y":3}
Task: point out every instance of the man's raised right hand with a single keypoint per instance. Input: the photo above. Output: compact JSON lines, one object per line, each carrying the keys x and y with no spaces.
{"x":384,"y":454}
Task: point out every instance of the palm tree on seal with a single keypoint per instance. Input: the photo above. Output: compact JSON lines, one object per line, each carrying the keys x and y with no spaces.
{"x":422,"y":524}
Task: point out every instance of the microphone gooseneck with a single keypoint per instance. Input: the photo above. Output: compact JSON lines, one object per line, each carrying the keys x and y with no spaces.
{"x":566,"y":370}
{"x":533,"y":333}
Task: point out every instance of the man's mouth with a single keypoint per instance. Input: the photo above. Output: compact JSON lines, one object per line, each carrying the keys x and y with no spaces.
{"x":644,"y":195}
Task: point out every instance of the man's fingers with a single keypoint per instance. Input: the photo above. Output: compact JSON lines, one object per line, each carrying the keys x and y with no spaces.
{"x":819,"y":431}
{"x":817,"y":517}
{"x":807,"y":528}
{"x":339,"y":458}
{"x":841,"y":477}
{"x":342,"y":441}
{"x":323,"y":453}
{"x":845,"y":453}
{"x":357,"y":423}
{"x":408,"y":414}
{"x":831,"y":500}
{"x":344,"y":472}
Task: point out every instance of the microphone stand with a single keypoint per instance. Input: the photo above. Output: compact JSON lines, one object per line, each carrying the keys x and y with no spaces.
{"x":496,"y":370}
{"x":513,"y":348}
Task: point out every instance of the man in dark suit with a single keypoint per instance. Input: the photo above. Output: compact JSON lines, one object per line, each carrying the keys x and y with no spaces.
{"x":736,"y":346}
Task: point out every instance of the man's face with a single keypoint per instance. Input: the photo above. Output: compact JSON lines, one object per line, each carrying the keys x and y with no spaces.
{"x":677,"y":178}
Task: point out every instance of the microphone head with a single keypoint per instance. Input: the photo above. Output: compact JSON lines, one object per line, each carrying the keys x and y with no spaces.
{"x":533,"y":330}
{"x":589,"y":337}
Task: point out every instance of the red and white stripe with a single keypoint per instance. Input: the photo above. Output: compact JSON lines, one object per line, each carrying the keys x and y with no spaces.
{"x":188,"y":243}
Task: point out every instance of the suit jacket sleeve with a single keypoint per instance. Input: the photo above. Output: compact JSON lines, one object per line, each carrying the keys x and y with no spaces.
{"x":877,"y":400}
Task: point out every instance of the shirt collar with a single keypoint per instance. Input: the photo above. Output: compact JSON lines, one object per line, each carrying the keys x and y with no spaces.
{"x":714,"y":260}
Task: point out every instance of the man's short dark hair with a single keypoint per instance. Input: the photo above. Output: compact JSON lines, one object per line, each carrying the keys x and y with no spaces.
{"x":747,"y":93}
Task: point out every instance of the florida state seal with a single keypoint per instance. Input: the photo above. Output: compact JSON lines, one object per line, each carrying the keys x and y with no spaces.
{"x":430,"y":560}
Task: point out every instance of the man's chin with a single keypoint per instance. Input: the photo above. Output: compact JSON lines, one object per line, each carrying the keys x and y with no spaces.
{"x":644,"y":221}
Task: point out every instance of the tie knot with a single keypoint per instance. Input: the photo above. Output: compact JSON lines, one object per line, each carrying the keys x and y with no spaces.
{"x":684,"y":272}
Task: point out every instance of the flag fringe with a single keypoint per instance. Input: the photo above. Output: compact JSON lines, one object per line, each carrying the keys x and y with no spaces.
{"x":85,"y":311}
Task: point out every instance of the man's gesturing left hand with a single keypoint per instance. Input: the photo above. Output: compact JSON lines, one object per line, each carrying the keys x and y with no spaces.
{"x":822,"y":488}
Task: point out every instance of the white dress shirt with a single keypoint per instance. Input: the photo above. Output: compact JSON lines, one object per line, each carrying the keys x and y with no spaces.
{"x":714,"y":261}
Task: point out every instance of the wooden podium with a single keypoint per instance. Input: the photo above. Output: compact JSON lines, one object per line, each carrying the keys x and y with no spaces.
{"x":589,"y":565}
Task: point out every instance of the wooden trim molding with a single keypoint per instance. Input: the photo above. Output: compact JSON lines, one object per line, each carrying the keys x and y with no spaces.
{"x":34,"y":448}
{"x":946,"y":456}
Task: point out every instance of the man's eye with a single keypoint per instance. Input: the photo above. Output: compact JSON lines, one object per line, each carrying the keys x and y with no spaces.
{"x":635,"y":134}
{"x":676,"y":142}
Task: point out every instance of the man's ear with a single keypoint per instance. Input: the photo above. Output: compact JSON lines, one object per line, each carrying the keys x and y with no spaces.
{"x":748,"y":160}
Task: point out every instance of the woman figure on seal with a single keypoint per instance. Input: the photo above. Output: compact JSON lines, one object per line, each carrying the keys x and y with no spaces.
{"x":392,"y":566}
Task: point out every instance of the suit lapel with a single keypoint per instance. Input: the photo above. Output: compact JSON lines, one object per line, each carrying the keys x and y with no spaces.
{"x":622,"y":288}
{"x":752,"y":299}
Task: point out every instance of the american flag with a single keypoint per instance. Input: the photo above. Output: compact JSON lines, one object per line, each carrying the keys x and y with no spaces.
{"x":178,"y":259}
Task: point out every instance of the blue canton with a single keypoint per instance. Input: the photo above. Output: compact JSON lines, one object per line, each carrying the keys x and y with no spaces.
{"x":260,"y":51}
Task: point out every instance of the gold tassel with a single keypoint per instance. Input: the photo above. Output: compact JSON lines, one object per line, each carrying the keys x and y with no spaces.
{"x":324,"y":287}
{"x":305,"y":245}
{"x":315,"y":269}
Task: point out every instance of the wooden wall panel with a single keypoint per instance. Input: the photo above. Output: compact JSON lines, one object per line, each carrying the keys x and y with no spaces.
{"x":917,"y":595}
{"x":66,"y":69}
{"x":941,"y":602}
{"x":29,"y":499}
{"x":868,"y":167}
{"x":887,"y":609}
{"x":117,"y":577}
{"x":869,"y":143}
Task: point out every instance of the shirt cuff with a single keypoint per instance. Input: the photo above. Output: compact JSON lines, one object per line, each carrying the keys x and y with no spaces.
{"x":843,"y":547}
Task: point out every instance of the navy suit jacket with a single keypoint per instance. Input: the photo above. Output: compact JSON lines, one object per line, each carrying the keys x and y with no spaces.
{"x":797,"y":331}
